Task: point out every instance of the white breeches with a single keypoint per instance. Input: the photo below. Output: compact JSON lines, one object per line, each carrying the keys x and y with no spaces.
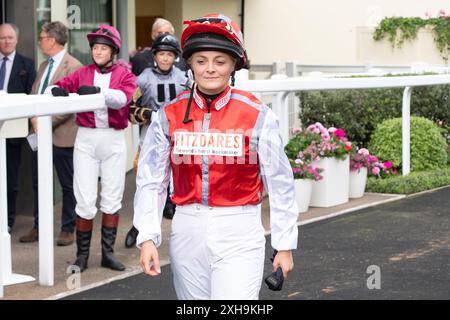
{"x":217,"y":252}
{"x":99,"y":153}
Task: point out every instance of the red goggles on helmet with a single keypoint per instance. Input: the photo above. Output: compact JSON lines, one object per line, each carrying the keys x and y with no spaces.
{"x":195,"y":37}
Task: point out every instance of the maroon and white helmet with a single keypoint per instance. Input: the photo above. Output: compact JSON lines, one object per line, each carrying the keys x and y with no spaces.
{"x":214,"y":32}
{"x":105,"y":34}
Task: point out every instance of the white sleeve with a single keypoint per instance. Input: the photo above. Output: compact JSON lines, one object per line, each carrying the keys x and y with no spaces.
{"x":279,"y":182}
{"x":114,"y":99}
{"x":152,"y":181}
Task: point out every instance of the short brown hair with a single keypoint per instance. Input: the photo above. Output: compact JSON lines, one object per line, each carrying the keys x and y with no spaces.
{"x":56,"y":30}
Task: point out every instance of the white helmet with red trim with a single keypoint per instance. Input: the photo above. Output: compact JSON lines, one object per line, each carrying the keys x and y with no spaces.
{"x":214,"y":32}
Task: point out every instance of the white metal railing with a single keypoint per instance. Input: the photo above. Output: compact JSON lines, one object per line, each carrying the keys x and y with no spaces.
{"x":296,"y":69}
{"x":281,"y":88}
{"x":16,"y":106}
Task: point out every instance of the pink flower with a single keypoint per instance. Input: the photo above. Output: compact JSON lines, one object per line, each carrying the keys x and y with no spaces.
{"x":387,"y":165}
{"x":376,"y":171}
{"x":442,"y":13}
{"x":311,"y":128}
{"x":331,"y":130}
{"x":339,"y":133}
{"x":296,"y":130}
{"x":325,"y":136}
{"x":298,"y":161}
{"x":320,"y":126}
{"x":363,"y":151}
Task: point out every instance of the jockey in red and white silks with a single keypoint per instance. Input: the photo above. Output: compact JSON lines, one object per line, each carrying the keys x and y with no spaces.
{"x":223,"y":150}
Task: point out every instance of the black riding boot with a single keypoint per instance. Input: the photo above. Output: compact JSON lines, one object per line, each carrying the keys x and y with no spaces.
{"x":109,"y":232}
{"x":130,"y":239}
{"x":84,"y":234}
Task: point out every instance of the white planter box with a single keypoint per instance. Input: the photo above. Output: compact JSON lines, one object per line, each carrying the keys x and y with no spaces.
{"x":303,"y":191}
{"x":357,"y":184}
{"x":332,"y":190}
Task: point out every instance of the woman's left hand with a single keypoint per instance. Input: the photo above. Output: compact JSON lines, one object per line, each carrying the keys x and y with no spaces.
{"x":284,"y":260}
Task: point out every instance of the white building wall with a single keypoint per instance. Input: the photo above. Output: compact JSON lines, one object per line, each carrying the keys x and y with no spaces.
{"x":327,"y":32}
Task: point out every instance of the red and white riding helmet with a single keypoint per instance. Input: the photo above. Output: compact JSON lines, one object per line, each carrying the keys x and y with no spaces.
{"x":105,"y":34}
{"x":214,"y":32}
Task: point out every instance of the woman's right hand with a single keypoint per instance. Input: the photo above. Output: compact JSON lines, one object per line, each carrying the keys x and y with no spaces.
{"x":150,"y":259}
{"x":34,"y":124}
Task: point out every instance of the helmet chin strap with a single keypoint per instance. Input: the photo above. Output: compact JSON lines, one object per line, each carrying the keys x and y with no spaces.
{"x":155,"y":66}
{"x":233,"y":78}
{"x":104,"y":67}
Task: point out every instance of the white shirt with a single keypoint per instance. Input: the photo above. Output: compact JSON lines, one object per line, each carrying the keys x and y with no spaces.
{"x":9,"y":65}
{"x":57,"y":58}
{"x":101,"y":116}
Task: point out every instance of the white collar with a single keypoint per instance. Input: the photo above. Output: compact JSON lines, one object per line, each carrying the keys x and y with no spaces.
{"x":58,"y":57}
{"x":10,"y":57}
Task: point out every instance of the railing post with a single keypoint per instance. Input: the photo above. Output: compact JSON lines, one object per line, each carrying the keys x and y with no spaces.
{"x":45,"y":187}
{"x":6,"y":276}
{"x":3,"y":208}
{"x":277,"y":68}
{"x":406,"y":131}
{"x":293,"y":100}
{"x":280,"y":109}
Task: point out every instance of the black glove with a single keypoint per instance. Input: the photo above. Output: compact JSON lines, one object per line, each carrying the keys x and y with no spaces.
{"x":84,"y":90}
{"x":59,"y":92}
{"x":147,"y":114}
{"x":138,"y":102}
{"x":275,"y":280}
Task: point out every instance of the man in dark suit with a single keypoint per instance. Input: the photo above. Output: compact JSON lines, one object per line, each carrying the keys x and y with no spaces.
{"x":17,"y":74}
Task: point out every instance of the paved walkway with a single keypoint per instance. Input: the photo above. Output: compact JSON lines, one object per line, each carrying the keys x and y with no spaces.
{"x":25,"y":256}
{"x":408,"y":240}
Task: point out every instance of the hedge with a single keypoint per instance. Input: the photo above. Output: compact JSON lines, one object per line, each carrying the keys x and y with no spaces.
{"x":413,"y":183}
{"x":359,"y":111}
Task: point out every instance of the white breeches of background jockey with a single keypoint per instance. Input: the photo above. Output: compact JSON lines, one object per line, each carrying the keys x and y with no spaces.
{"x":217,"y":252}
{"x":99,"y":153}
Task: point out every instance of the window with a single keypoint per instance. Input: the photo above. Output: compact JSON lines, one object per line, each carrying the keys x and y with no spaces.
{"x":43,"y":9}
{"x":93,"y":13}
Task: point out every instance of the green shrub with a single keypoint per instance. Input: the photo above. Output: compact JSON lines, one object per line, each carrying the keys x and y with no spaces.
{"x":428,"y":146}
{"x":413,"y":183}
{"x":358,"y":112}
{"x":298,"y":143}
